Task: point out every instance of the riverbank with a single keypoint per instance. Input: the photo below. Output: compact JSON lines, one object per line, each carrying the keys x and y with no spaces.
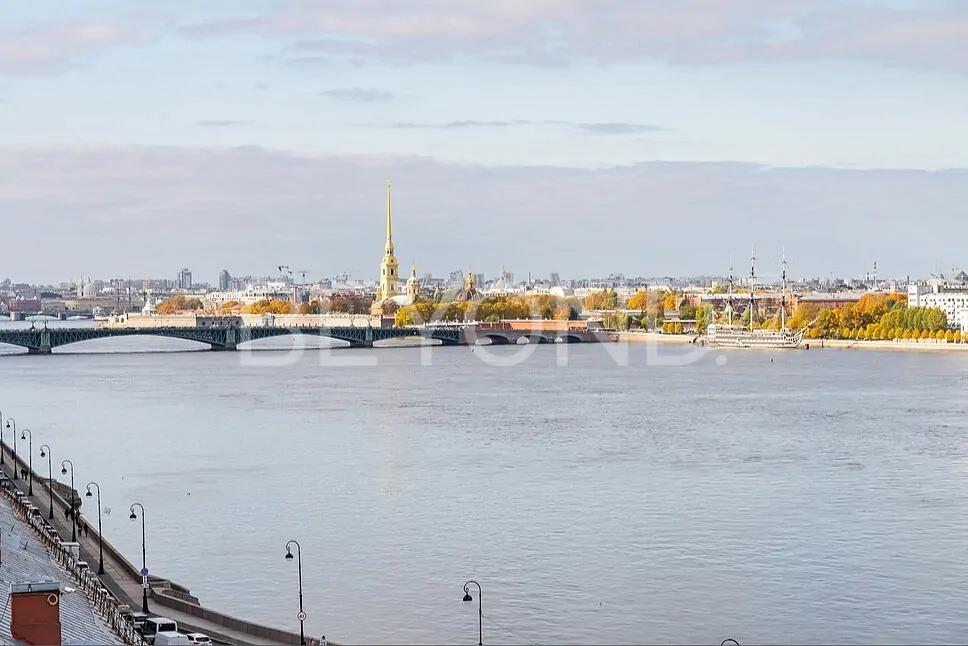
{"x":653,"y":337}
{"x":123,"y":579}
{"x":895,"y":346}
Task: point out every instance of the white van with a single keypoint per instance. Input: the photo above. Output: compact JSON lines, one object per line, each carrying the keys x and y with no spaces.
{"x":168,"y":638}
{"x":155,"y":625}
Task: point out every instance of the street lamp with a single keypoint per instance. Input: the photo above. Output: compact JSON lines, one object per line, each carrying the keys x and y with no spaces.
{"x":302,"y":615}
{"x":144,"y":561}
{"x":12,"y":421}
{"x":480,"y":609}
{"x":45,"y":453}
{"x":73,"y":510}
{"x":27,"y":435}
{"x":2,"y":462}
{"x":100,"y":535}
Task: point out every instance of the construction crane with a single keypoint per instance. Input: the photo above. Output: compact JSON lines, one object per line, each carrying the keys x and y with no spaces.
{"x":302,"y":272}
{"x":283,"y":271}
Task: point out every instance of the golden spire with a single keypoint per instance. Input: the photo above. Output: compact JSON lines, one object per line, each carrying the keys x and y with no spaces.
{"x":389,"y":222}
{"x":413,"y":271}
{"x":469,"y":283}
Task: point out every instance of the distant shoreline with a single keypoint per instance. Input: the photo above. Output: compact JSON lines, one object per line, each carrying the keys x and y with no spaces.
{"x":895,"y":346}
{"x":813,"y":344}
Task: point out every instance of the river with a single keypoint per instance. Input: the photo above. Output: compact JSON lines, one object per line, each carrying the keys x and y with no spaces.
{"x":799,"y":497}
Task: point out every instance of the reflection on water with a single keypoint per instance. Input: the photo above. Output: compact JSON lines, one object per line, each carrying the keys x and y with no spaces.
{"x":821,"y":498}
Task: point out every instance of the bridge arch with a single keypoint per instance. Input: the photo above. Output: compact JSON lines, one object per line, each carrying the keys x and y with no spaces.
{"x":569,"y":338}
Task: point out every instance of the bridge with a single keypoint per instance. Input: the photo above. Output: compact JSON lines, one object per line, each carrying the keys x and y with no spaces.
{"x":43,"y":340}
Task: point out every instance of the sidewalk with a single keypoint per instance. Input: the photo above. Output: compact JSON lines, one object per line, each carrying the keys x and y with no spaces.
{"x":117,"y":579}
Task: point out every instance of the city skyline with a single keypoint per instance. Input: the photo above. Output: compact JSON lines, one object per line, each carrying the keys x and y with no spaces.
{"x":580,"y":137}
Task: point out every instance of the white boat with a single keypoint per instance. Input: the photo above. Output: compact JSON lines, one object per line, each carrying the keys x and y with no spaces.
{"x":720,"y":335}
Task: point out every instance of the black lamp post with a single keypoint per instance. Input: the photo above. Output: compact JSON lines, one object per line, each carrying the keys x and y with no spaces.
{"x":144,"y":560}
{"x":27,"y":435}
{"x":480,"y":609}
{"x":45,"y":453}
{"x":12,"y":424}
{"x":73,"y":509}
{"x":302,"y":615}
{"x":100,"y":535}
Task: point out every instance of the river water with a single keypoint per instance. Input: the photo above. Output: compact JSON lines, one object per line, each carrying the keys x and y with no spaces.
{"x":801,"y":497}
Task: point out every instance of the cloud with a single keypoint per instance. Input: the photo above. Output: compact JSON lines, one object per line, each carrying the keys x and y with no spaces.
{"x":617,"y":128}
{"x":141,"y":201}
{"x":221,"y":123}
{"x":561,"y":32}
{"x":51,"y":49}
{"x":360,"y":95}
{"x":590,"y":128}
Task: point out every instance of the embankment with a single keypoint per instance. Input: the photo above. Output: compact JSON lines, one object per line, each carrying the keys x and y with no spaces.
{"x":163,"y":591}
{"x":895,"y":346}
{"x":652,"y":337}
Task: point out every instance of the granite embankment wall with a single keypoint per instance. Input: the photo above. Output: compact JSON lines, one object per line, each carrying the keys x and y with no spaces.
{"x":164,"y":591}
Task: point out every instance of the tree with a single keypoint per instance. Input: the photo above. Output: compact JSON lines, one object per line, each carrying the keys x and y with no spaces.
{"x":178,"y":303}
{"x":595,"y":301}
{"x":404,"y":317}
{"x":640,"y":300}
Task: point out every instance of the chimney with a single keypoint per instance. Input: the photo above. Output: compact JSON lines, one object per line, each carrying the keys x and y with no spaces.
{"x":35,"y":613}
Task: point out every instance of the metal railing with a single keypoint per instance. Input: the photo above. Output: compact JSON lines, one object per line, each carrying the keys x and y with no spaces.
{"x":100,"y":597}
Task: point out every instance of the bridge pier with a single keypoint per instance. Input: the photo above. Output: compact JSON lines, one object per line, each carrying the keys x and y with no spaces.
{"x":218,"y":347}
{"x":44,"y":349}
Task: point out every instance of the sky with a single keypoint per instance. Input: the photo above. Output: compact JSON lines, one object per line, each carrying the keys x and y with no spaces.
{"x":583,"y":137}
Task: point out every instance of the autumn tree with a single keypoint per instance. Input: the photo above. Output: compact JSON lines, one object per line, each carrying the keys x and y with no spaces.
{"x":178,"y":303}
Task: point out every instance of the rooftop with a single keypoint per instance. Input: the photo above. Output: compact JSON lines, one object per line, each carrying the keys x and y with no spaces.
{"x":25,"y":559}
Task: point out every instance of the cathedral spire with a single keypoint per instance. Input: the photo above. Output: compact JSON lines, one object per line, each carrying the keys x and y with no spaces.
{"x":389,"y":221}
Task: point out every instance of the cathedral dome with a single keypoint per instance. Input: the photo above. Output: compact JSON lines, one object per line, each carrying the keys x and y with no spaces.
{"x":469,"y":293}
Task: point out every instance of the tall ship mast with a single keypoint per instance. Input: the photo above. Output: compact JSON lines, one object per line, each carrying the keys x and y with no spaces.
{"x":752,"y":286}
{"x":783,"y":288}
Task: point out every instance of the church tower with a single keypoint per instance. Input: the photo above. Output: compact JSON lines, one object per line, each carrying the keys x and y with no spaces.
{"x":413,"y":285}
{"x":389,"y":277}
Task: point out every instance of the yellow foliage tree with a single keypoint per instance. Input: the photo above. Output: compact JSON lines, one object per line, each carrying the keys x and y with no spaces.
{"x":178,"y":303}
{"x":269,"y":306}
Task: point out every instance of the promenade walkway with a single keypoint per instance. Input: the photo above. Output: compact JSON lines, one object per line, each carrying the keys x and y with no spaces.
{"x":117,"y":578}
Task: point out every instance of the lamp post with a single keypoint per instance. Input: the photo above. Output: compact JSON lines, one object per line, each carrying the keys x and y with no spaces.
{"x":480,"y":609}
{"x":144,"y":561}
{"x":12,"y":424}
{"x":2,"y":462}
{"x":302,"y":615}
{"x":73,"y":510}
{"x":45,"y":453}
{"x":100,"y":535}
{"x":27,"y":435}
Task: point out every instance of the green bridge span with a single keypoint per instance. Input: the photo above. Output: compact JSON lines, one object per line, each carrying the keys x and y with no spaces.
{"x":43,"y":340}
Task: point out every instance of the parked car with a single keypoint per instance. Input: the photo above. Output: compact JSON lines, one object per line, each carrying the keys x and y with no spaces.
{"x":170,"y":638}
{"x":155,"y":625}
{"x":199,"y":638}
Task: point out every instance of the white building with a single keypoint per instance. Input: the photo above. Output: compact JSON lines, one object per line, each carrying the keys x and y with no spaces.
{"x":949,"y":297}
{"x":251,"y":294}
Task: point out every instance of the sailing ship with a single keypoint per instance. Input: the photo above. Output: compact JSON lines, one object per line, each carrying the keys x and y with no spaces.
{"x":719,"y":335}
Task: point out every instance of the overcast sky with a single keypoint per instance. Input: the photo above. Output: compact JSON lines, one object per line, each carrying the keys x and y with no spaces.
{"x":578,"y":136}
